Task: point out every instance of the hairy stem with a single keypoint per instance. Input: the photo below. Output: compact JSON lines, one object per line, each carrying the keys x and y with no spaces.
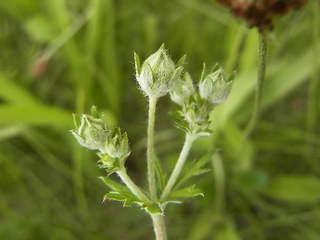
{"x":150,"y":148}
{"x":159,"y":226}
{"x":131,"y":185}
{"x":179,"y":165}
{"x":263,"y":48}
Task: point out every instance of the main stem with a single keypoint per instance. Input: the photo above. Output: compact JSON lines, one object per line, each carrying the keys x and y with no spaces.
{"x":131,"y":185}
{"x":159,"y":226}
{"x":263,"y":48}
{"x":179,"y":165}
{"x":150,"y":149}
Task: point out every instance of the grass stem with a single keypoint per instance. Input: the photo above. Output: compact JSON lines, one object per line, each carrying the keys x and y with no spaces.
{"x":263,"y":49}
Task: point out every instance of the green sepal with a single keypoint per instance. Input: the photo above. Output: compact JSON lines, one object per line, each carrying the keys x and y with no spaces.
{"x":190,"y":191}
{"x":231,"y":76}
{"x":76,"y":120}
{"x":203,"y":71}
{"x":181,"y":61}
{"x":110,"y":164}
{"x":95,"y":112}
{"x":216,"y":67}
{"x":137,"y":63}
{"x":152,"y":208}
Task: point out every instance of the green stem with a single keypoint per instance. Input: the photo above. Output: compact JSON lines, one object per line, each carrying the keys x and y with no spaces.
{"x":150,"y":149}
{"x":159,"y":226}
{"x":131,"y":185}
{"x":263,"y":48}
{"x":179,"y":165}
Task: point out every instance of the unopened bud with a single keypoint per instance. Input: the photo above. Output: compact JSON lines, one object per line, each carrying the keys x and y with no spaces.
{"x":215,"y":87}
{"x":91,"y":132}
{"x":158,"y":74}
{"x":183,"y":90}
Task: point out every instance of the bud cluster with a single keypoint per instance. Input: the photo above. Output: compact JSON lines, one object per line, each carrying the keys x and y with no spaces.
{"x":92,"y":132}
{"x":196,"y":105}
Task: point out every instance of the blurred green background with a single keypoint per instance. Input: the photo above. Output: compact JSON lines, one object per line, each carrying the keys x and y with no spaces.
{"x":59,"y":57}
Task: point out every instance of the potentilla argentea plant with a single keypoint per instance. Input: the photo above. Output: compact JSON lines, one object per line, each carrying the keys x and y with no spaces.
{"x":157,"y":77}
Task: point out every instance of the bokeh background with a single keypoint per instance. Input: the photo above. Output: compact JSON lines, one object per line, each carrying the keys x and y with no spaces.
{"x":59,"y":57}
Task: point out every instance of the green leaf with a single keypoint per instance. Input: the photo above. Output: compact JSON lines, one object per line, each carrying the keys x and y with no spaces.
{"x":179,"y":121}
{"x":294,"y":188}
{"x":127,"y":199}
{"x":161,"y":176}
{"x":152,"y":208}
{"x":120,"y":193}
{"x":194,"y":168}
{"x":190,"y":191}
{"x":113,"y":185}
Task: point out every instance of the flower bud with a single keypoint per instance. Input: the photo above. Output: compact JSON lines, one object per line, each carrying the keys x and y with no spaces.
{"x":116,"y":151}
{"x":91,"y":132}
{"x":158,"y":74}
{"x":183,"y":90}
{"x":215,"y":88}
{"x":196,"y":111}
{"x":117,"y":145}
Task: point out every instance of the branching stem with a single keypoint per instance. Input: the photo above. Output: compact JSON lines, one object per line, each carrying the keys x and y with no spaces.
{"x":179,"y":165}
{"x":131,"y":185}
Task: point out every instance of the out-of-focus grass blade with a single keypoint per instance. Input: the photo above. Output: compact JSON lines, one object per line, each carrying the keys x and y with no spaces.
{"x":287,"y":75}
{"x":294,"y":188}
{"x":11,"y":91}
{"x":282,"y":77}
{"x":226,"y":231}
{"x":9,"y":131}
{"x":35,"y":114}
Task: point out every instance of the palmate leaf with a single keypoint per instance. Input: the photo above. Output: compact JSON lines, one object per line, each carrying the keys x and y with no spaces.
{"x":127,"y":199}
{"x":178,"y":195}
{"x":179,"y":121}
{"x":120,"y":193}
{"x":152,"y":208}
{"x":161,"y":175}
{"x":195,"y":168}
